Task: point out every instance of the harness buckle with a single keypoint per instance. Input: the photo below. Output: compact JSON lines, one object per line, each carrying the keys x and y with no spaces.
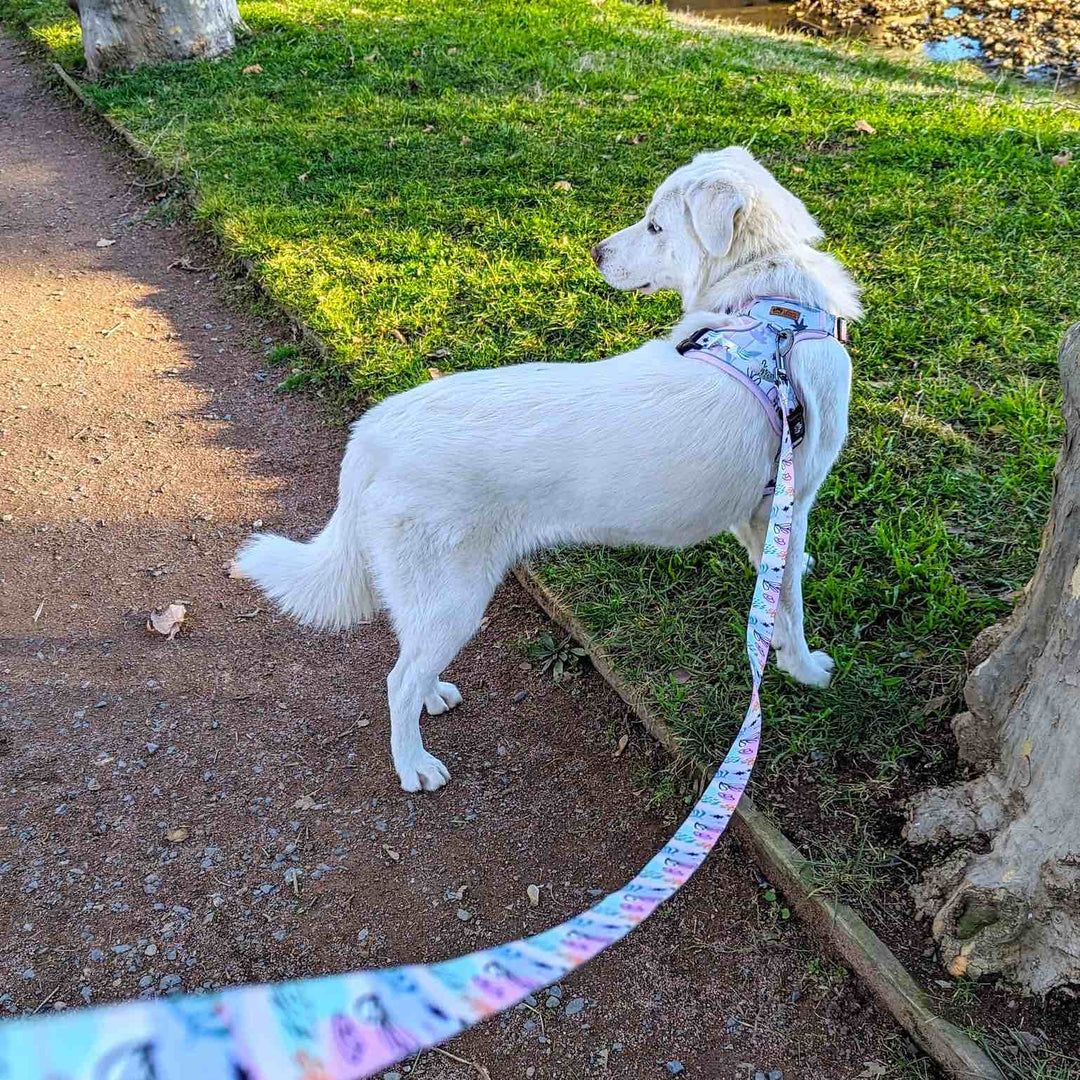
{"x":693,"y":341}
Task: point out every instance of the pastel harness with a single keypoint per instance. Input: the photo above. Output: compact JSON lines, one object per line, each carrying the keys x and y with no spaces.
{"x":756,"y":349}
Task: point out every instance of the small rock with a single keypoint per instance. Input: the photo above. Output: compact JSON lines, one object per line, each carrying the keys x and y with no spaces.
{"x":151,"y":950}
{"x":391,"y":1076}
{"x":575,"y":1006}
{"x":151,"y":748}
{"x":674,"y":1068}
{"x":145,"y":981}
{"x":553,"y":1002}
{"x":555,"y":991}
{"x":776,"y":1074}
{"x":121,"y":948}
{"x":28,"y":973}
{"x":96,"y":954}
{"x":520,"y":696}
{"x":464,"y":915}
{"x":759,"y":1075}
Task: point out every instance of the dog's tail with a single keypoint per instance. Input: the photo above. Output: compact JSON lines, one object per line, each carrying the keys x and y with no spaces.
{"x":325,"y":582}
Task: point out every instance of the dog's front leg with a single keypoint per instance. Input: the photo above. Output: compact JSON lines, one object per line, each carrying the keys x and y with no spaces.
{"x":793,"y":655}
{"x":407,"y":686}
{"x":752,"y":537}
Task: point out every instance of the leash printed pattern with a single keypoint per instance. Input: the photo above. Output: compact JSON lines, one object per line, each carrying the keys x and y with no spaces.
{"x":347,"y":1027}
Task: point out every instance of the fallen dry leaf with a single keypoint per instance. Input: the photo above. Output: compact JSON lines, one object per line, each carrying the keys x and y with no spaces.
{"x":680,"y":676}
{"x":253,"y":69}
{"x":105,"y":243}
{"x":176,"y":836}
{"x":533,"y":893}
{"x":465,"y":140}
{"x":630,"y":97}
{"x":434,"y":373}
{"x":391,"y":852}
{"x":306,"y":802}
{"x":865,"y":128}
{"x":623,"y":740}
{"x":429,"y":128}
{"x":875,"y":1068}
{"x":797,"y":169}
{"x":167,"y":622}
{"x":40,"y":609}
{"x":563,"y":185}
{"x":1062,"y":159}
{"x":637,"y":140}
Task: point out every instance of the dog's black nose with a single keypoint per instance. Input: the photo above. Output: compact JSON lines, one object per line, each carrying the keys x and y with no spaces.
{"x":597,"y":254}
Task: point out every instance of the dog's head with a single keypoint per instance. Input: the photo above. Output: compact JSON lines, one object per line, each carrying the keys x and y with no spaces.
{"x":720,"y":210}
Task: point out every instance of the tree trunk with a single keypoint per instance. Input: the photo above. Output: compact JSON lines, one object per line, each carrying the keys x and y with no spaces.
{"x":125,"y":34}
{"x":1015,"y":908}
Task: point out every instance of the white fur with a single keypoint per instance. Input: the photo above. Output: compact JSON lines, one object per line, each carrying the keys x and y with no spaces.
{"x":445,"y":487}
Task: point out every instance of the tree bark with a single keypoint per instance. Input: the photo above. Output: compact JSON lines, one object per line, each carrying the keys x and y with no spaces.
{"x":125,"y":34}
{"x":1015,"y":909}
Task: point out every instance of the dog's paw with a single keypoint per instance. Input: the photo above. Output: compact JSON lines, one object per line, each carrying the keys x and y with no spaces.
{"x":815,"y":670}
{"x":446,"y":697}
{"x":423,"y":772}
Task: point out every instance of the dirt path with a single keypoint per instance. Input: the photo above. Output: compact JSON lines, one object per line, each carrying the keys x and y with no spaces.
{"x":140,"y":440}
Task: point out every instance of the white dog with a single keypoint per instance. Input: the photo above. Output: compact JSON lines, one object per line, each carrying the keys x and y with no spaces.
{"x":445,"y":487}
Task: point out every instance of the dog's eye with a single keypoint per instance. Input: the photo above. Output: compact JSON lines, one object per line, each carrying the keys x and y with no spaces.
{"x":654,"y":228}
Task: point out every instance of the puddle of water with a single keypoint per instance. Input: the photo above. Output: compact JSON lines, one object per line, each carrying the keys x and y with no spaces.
{"x":954,"y":47}
{"x":773,"y":13}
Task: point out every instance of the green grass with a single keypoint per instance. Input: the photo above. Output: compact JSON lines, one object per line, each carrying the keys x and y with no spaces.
{"x":391,"y":172}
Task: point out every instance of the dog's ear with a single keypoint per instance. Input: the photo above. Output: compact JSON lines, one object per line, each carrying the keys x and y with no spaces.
{"x":713,"y":206}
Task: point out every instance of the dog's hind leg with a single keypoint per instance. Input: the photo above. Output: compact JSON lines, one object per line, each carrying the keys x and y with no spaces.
{"x":436,"y":607}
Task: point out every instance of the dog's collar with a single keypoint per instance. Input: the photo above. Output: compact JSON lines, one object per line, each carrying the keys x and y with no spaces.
{"x":799,"y":317}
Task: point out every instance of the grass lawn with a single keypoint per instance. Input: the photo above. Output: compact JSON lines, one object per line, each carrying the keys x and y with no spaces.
{"x":393,"y":169}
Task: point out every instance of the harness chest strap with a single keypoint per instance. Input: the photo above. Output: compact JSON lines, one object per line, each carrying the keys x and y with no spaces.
{"x":755,"y":350}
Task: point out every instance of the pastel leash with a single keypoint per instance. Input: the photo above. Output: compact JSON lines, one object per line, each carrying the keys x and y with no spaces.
{"x":346,"y":1027}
